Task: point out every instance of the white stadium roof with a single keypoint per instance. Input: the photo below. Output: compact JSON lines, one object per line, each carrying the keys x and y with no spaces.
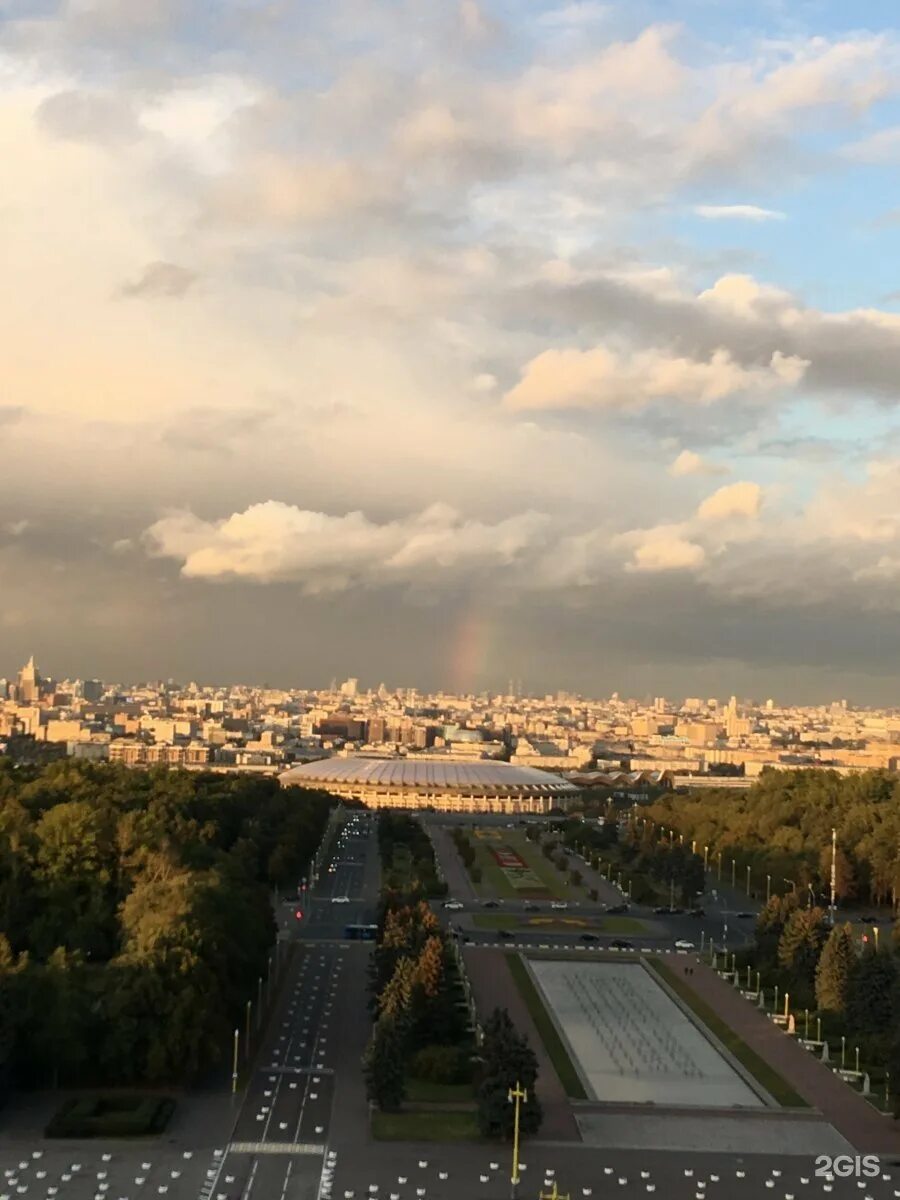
{"x":392,"y":774}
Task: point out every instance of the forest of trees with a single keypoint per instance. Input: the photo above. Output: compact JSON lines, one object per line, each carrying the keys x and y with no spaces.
{"x":847,"y":979}
{"x":421,"y":1026}
{"x":135,"y":914}
{"x":781,"y":827}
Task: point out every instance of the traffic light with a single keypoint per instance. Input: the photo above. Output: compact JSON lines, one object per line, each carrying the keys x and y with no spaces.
{"x":299,"y":914}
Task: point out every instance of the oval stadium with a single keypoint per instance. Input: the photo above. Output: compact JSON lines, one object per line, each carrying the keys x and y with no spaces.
{"x":482,"y":786}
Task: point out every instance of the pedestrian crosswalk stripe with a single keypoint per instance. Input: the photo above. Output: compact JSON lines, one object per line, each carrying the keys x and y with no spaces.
{"x":276,"y":1148}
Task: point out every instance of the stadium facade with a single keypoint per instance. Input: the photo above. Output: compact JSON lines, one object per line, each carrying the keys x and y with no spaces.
{"x":480,"y":786}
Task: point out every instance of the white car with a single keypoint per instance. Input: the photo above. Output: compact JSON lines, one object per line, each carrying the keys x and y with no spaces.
{"x":454,"y":904}
{"x":681,"y":944}
{"x":560,"y":904}
{"x":340,"y":899}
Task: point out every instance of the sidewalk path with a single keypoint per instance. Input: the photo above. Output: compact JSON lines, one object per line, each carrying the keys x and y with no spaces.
{"x":494,"y":987}
{"x":846,"y":1110}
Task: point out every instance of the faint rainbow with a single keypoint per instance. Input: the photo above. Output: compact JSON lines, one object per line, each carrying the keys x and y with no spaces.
{"x":470,"y":649}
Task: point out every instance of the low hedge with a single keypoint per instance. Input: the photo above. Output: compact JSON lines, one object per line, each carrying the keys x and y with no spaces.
{"x":111,"y":1116}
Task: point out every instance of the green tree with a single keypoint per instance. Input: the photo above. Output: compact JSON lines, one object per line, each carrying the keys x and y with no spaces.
{"x":871,"y":997}
{"x":801,"y":943}
{"x":835,"y":969}
{"x":383,"y":1065}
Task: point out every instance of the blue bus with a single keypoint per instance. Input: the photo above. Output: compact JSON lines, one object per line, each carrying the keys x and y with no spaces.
{"x":361,"y":933}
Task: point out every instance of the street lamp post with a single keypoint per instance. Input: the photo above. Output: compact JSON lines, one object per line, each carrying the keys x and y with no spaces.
{"x":259,"y":1004}
{"x":734,"y":872}
{"x":719,"y":866}
{"x":768,"y":888}
{"x":247,"y":1033}
{"x":234,"y":1061}
{"x":706,"y":858}
{"x":555,"y":1194}
{"x":748,"y":880}
{"x":843,"y":1050}
{"x":517,"y":1096}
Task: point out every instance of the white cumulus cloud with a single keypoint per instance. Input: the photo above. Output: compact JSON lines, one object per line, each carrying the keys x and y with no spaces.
{"x":602,"y":378}
{"x":737,"y":212}
{"x":275,"y":541}
{"x":689,"y":462}
{"x":743,"y":499}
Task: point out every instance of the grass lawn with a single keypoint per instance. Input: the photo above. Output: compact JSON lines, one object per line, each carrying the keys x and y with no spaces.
{"x":425,"y":1127}
{"x":767,"y":1076}
{"x":553,"y":1043}
{"x":558,"y":923}
{"x":423,"y":1091}
{"x":494,"y":882}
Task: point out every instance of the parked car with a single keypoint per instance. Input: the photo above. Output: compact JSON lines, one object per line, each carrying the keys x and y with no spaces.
{"x":683,"y":944}
{"x":559,"y":904}
{"x":490,"y":904}
{"x":589,"y":937}
{"x":340,"y":899}
{"x":621,"y":944}
{"x":697,"y":912}
{"x":676,"y":912}
{"x":503,"y":933}
{"x":661,"y":910}
{"x":455,"y":905}
{"x":616,"y":910}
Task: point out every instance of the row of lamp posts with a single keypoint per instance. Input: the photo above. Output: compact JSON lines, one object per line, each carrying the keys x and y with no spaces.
{"x":264,"y":994}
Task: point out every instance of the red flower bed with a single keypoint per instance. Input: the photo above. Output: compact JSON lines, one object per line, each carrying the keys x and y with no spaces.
{"x":509,"y":859}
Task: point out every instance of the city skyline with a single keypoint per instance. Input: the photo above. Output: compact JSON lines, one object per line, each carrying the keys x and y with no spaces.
{"x":353,"y":690}
{"x":454,"y":342}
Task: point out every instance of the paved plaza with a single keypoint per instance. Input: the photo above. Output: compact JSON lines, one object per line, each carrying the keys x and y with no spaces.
{"x":632,"y":1041}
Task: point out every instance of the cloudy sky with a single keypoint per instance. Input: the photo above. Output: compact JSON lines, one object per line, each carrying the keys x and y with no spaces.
{"x":448,"y":341}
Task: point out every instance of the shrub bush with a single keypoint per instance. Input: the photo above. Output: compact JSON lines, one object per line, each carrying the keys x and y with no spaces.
{"x":111,"y":1116}
{"x":441,"y":1064}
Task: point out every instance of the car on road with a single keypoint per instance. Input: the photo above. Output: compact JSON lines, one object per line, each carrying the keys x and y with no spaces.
{"x":529,"y":907}
{"x":661,"y":910}
{"x":340,"y":899}
{"x":676,"y":912}
{"x":683,"y":944}
{"x":503,"y":933}
{"x":745,"y":916}
{"x":589,"y":937}
{"x":616,"y":910}
{"x":560,"y":904}
{"x":490,"y":904}
{"x":621,"y":944}
{"x":868,"y":920}
{"x":455,"y":905}
{"x":697,"y":912}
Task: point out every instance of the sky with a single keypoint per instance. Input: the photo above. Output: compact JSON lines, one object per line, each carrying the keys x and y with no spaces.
{"x":448,"y":343}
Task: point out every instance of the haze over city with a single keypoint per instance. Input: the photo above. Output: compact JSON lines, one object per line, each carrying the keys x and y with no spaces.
{"x":448,"y":343}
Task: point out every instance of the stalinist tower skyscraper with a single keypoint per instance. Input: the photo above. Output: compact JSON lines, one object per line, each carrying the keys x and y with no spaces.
{"x":28,"y":683}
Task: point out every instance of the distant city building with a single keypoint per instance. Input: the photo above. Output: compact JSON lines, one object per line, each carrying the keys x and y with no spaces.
{"x":28,"y":683}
